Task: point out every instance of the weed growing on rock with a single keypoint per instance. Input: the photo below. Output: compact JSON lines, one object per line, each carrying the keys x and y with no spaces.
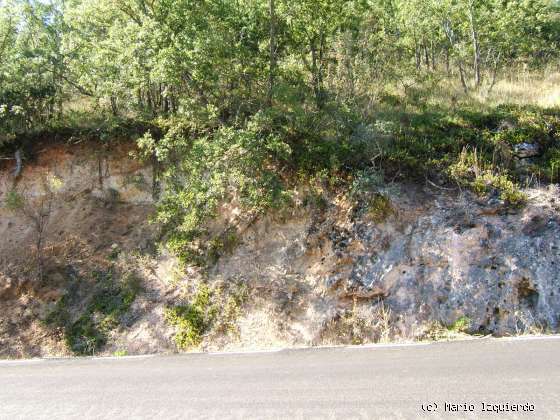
{"x":379,"y":208}
{"x":484,"y":178}
{"x":507,"y":189}
{"x":14,"y":201}
{"x":436,"y":331}
{"x":222,"y":244}
{"x":461,"y":325}
{"x":190,"y":320}
{"x":110,"y":301}
{"x":360,"y":325}
{"x":211,"y":311}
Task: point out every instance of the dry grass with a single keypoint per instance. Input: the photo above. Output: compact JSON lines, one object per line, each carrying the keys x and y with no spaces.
{"x":542,"y":89}
{"x":360,"y":324}
{"x":528,"y":324}
{"x":518,"y":86}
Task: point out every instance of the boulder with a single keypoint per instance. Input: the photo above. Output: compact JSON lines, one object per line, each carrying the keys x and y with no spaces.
{"x":527,"y":150}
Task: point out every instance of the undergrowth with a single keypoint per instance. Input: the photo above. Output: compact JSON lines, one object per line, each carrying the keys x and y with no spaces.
{"x":77,"y":128}
{"x":436,"y":331}
{"x":86,"y":330}
{"x":211,"y":310}
{"x":360,"y":325}
{"x":256,"y":161}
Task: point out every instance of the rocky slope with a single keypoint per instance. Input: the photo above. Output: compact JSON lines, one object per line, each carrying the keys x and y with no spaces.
{"x":426,"y":260}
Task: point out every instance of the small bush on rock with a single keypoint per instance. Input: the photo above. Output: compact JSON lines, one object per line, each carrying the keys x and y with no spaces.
{"x":110,"y":301}
{"x":212,"y":310}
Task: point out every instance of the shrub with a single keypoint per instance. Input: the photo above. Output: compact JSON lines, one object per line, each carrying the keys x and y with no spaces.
{"x":14,"y":200}
{"x":359,"y":325}
{"x":364,"y":182}
{"x":436,"y":331}
{"x":471,"y":171}
{"x":190,"y":320}
{"x":461,"y":325}
{"x":212,"y":310}
{"x":231,"y":162}
{"x":190,"y":325}
{"x":110,"y":301}
{"x":508,"y":190}
{"x":379,"y":208}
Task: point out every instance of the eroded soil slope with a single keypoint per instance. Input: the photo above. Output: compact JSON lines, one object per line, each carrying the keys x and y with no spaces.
{"x":81,"y":272}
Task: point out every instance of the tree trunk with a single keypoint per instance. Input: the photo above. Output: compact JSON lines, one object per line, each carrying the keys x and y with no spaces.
{"x":349,"y":53}
{"x":417,"y":54}
{"x":452,"y":42}
{"x":114,"y":106}
{"x":476,"y":46}
{"x":149,"y":99}
{"x":272,"y":52}
{"x":433,"y":51}
{"x":494,"y":73}
{"x":316,"y":69}
{"x":462,"y":75}
{"x":139,"y":100}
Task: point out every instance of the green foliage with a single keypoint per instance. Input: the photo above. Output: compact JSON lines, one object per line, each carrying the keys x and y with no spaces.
{"x":461,"y":325}
{"x":509,"y":192}
{"x":114,"y":254}
{"x":234,"y":101}
{"x":85,"y":127}
{"x":551,"y":165}
{"x":212,"y":62}
{"x":364,"y":190}
{"x":457,"y":330}
{"x":228,"y":307}
{"x":14,"y":200}
{"x":365,"y":181}
{"x":471,"y":171}
{"x":203,"y":171}
{"x":210,"y":309}
{"x":88,"y":333}
{"x":379,"y":208}
{"x":471,"y":147}
{"x":189,"y":322}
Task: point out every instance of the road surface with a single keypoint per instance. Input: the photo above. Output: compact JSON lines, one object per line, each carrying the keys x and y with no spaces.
{"x":344,"y":382}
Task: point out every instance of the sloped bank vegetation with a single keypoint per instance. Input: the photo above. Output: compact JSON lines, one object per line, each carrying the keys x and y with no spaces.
{"x":250,"y":103}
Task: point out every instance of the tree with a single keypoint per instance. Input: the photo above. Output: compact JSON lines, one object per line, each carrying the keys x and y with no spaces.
{"x":37,"y":210}
{"x":272,"y":50}
{"x":219,"y":62}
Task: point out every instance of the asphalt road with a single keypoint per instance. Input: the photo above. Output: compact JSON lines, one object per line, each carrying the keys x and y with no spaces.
{"x":347,"y":382}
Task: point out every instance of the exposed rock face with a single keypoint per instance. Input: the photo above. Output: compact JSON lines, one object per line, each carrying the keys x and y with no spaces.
{"x":334,"y":275}
{"x":437,"y":258}
{"x":454,"y":259}
{"x":527,"y":150}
